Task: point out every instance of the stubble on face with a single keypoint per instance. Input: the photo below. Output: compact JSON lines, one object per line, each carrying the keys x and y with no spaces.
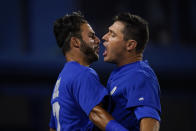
{"x":90,"y":52}
{"x":89,"y":43}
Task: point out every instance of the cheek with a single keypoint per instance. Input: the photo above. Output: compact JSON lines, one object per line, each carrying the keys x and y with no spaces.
{"x":116,"y":49}
{"x":112,"y":50}
{"x":92,"y":44}
{"x":114,"y":44}
{"x":91,"y":41}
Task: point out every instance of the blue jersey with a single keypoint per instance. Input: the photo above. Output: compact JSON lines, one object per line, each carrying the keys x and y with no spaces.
{"x":134,"y":94}
{"x":76,"y":93}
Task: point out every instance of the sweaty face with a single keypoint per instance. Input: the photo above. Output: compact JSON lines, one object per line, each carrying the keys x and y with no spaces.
{"x":89,"y":43}
{"x":114,"y":43}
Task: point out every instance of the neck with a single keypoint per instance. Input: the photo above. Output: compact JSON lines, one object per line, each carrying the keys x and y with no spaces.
{"x":77,"y":57}
{"x":130,"y":59}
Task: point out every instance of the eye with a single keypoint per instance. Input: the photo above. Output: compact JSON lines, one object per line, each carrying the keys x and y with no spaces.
{"x":92,"y":35}
{"x":113,"y":35}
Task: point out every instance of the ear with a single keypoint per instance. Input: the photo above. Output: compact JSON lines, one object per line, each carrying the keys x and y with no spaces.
{"x":131,"y":44}
{"x":75,"y":42}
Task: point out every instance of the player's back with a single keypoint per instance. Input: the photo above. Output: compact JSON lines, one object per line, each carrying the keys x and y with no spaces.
{"x":66,"y":109}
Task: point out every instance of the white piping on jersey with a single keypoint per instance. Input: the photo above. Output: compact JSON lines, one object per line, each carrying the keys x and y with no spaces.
{"x":113,"y":90}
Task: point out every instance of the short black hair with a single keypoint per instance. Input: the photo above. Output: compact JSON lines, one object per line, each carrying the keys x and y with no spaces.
{"x":136,"y":28}
{"x":66,"y":27}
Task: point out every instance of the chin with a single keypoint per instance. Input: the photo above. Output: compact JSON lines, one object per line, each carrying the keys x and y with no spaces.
{"x":109,"y":60}
{"x":106,"y":60}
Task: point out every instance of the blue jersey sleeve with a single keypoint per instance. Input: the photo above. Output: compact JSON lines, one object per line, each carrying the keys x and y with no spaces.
{"x":144,"y":91}
{"x":89,"y":92}
{"x":52,"y":122}
{"x":146,"y":112}
{"x":114,"y":126}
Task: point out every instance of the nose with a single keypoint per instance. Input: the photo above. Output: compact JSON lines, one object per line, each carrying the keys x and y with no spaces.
{"x":97,"y":40}
{"x":104,"y":37}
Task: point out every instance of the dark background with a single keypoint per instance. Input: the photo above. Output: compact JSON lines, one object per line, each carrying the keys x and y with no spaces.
{"x":30,"y":59}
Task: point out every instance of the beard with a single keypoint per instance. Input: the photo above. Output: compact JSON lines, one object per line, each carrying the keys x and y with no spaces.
{"x":89,"y":52}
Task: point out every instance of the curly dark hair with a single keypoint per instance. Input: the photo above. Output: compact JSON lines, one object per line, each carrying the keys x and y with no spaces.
{"x":66,"y":27}
{"x":136,"y":28}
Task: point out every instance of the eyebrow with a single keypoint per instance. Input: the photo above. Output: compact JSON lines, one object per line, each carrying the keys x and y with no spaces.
{"x":112,"y":31}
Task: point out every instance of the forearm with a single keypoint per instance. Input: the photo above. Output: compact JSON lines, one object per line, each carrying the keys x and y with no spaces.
{"x":149,"y":124}
{"x":104,"y":120}
{"x":100,"y":117}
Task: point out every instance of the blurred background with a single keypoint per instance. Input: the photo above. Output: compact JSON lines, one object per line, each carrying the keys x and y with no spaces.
{"x":30,"y":59}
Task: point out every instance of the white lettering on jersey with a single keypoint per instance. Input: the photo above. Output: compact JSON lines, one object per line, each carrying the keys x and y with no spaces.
{"x":56,"y":106}
{"x":56,"y":109}
{"x":56,"y":89}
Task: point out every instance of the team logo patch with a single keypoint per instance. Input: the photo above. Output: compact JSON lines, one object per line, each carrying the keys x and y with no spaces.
{"x":141,"y":99}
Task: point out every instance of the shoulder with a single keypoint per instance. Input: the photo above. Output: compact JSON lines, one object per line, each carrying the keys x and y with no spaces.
{"x":144,"y":71}
{"x":87,"y":74}
{"x":74,"y":69}
{"x":142,"y":75}
{"x":145,"y":78}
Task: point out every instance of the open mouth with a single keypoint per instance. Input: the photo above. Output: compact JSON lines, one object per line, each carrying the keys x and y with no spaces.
{"x":105,"y":52}
{"x":97,"y":50}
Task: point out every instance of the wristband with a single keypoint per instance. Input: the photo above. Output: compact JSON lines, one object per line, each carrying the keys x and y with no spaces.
{"x":114,"y":126}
